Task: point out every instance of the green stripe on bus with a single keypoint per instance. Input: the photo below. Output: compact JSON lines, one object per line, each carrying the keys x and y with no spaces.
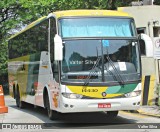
{"x":121,"y":89}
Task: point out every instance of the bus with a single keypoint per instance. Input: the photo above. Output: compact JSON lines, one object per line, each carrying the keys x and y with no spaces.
{"x":77,"y":61}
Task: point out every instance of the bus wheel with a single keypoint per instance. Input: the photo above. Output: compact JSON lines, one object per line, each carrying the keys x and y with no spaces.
{"x":19,"y":103}
{"x":51,"y":113}
{"x":111,"y":114}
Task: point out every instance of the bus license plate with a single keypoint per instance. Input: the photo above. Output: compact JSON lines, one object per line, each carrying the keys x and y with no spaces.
{"x":104,"y":105}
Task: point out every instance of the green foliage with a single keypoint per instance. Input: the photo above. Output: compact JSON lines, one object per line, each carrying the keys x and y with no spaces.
{"x":3,"y":56}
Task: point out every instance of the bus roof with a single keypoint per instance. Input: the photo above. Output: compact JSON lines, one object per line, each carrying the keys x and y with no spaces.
{"x":70,"y":13}
{"x":89,"y":13}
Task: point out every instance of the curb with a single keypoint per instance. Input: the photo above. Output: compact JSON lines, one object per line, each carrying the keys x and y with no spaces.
{"x":147,"y":110}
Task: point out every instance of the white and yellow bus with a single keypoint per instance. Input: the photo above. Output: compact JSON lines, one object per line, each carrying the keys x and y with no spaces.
{"x":77,"y":61}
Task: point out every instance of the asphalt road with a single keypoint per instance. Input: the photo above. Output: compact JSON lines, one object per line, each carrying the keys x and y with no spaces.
{"x":96,"y":120}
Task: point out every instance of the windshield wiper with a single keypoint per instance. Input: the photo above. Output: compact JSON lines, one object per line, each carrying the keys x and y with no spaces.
{"x":120,"y":80}
{"x":93,"y":72}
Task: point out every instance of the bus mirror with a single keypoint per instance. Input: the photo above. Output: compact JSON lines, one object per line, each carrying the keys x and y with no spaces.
{"x":58,"y":48}
{"x":146,"y":44}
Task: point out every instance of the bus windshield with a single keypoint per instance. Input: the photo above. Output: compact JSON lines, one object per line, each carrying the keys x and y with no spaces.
{"x":101,"y":49}
{"x":84,"y":57}
{"x":97,"y":27}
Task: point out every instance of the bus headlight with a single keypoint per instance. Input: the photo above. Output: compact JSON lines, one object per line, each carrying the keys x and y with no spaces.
{"x":133,"y":94}
{"x":72,"y":95}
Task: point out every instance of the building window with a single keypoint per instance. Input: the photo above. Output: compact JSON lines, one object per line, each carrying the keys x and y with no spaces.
{"x":156,"y":31}
{"x":141,"y":30}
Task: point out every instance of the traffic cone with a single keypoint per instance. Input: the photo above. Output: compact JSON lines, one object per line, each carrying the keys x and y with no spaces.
{"x":3,"y":108}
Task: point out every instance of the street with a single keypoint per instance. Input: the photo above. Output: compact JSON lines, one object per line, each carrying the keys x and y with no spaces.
{"x":96,"y":120}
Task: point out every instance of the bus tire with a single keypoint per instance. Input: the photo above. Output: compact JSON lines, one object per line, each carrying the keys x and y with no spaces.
{"x":111,"y":114}
{"x":51,"y":113}
{"x":19,"y":103}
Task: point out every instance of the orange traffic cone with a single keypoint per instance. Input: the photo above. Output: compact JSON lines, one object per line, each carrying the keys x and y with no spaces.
{"x":3,"y":108}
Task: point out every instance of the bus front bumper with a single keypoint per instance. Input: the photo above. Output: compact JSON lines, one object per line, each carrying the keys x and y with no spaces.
{"x":96,"y":105}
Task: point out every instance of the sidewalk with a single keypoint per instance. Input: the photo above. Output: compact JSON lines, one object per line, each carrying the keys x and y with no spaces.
{"x":150,"y":110}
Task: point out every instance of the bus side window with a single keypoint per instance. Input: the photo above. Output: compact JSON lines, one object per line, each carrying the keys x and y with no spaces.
{"x":53,"y":62}
{"x":43,"y":36}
